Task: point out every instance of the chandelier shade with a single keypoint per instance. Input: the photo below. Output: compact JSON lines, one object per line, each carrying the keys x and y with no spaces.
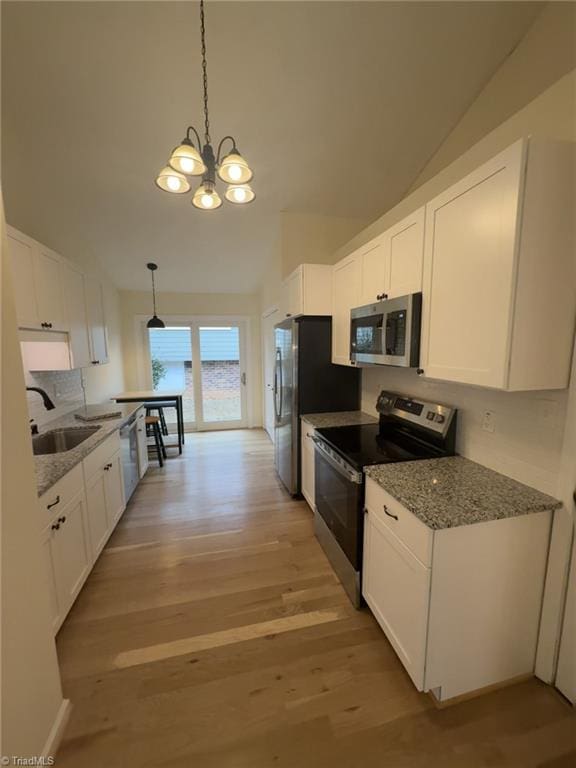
{"x":172,"y":181}
{"x":234,"y":169}
{"x":206,"y":198}
{"x":239,"y":194}
{"x":187,"y":160}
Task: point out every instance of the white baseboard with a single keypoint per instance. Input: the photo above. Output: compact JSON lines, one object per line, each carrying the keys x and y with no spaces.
{"x":57,"y":730}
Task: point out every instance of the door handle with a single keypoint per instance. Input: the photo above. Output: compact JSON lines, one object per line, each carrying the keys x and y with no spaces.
{"x":243,"y":379}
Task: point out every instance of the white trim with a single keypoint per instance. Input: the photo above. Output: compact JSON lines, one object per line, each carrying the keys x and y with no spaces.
{"x":57,"y":730}
{"x":269,"y":311}
{"x":554,"y":600}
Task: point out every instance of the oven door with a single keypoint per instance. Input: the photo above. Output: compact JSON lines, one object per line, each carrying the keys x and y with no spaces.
{"x":366,"y":333}
{"x":339,"y":496}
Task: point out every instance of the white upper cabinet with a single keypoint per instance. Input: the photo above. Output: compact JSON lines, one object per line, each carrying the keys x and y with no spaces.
{"x":347,"y":277}
{"x":404,"y":247}
{"x":37,"y":284}
{"x":498,"y":285}
{"x":77,"y":317}
{"x":96,"y":321}
{"x":308,"y":291}
{"x":374,"y":270}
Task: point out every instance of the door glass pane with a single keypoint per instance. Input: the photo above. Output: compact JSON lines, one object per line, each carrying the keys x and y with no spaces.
{"x":220,"y":366}
{"x":171,"y":357}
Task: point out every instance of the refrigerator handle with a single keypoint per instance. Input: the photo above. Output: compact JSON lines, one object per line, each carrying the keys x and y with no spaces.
{"x":278,"y":369}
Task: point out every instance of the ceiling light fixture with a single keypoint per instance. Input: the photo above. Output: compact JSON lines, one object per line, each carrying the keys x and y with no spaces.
{"x":187,"y":159}
{"x":154,"y":321}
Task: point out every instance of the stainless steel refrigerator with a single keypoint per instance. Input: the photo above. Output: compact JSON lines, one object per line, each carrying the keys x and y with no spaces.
{"x":306,"y":381}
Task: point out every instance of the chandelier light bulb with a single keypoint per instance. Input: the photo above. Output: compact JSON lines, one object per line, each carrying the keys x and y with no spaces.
{"x":186,"y":159}
{"x":206,"y":198}
{"x":234,"y":169}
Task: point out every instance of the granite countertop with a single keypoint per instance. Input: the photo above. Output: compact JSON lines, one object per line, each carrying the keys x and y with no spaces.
{"x":454,"y":491}
{"x":51,"y":467}
{"x":340,"y":419}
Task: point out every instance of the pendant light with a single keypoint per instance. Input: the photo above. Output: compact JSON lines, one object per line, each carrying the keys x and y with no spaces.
{"x":190,"y":159}
{"x":154,"y":321}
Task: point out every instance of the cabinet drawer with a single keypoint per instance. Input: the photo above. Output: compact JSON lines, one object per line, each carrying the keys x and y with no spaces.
{"x":101,"y":455}
{"x":61,"y":493}
{"x":416,"y":536}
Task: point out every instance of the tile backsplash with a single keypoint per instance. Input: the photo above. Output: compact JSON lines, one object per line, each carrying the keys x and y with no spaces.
{"x":64,"y":389}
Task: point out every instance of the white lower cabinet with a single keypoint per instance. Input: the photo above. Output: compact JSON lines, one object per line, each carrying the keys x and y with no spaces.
{"x":460,"y":606}
{"x":307,"y":465}
{"x":68,"y":556}
{"x":78,"y":514}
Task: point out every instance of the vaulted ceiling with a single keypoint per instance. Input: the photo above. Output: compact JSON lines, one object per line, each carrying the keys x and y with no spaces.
{"x":336,"y":105}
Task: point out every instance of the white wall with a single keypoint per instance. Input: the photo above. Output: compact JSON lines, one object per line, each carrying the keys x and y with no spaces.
{"x":30,"y":682}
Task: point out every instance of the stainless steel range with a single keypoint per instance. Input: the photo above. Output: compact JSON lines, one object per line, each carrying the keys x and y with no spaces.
{"x":409,"y":429}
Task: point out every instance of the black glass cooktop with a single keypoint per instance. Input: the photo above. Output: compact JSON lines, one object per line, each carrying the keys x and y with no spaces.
{"x":365,"y":444}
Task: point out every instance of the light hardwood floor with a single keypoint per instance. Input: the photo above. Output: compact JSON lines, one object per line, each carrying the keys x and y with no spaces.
{"x":213,"y":633}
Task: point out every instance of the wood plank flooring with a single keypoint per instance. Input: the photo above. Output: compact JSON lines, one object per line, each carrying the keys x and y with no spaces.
{"x":213,"y":633}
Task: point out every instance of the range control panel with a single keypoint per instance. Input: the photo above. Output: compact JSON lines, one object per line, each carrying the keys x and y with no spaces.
{"x":432,"y":416}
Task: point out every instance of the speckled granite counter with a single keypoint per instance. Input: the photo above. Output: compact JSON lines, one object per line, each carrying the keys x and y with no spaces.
{"x":445,"y":493}
{"x":341,"y":419}
{"x":51,"y":467}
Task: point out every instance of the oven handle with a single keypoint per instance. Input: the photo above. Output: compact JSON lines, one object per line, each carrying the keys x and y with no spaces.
{"x":343,"y":469}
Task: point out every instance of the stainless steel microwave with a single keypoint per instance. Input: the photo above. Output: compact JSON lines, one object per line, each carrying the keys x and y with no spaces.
{"x":388,"y":332}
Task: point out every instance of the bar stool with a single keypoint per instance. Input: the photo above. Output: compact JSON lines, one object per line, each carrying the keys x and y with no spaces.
{"x":153,"y":430}
{"x":158,"y":406}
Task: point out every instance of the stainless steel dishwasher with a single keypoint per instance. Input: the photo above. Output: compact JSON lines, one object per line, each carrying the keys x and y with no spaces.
{"x":129,"y":451}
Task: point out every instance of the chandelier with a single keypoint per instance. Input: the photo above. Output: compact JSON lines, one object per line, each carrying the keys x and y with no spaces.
{"x":190,"y":159}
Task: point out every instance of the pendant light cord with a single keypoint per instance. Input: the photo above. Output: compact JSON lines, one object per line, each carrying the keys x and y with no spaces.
{"x":204,"y":73}
{"x":153,"y":293}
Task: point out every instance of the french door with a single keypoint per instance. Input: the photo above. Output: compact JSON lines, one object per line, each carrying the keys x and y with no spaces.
{"x":206,"y":361}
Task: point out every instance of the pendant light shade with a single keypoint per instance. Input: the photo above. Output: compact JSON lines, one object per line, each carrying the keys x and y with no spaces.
{"x":240,"y":194}
{"x":234,"y":169}
{"x":154,"y":321}
{"x":186,"y":159}
{"x":206,"y":198}
{"x":170,"y":180}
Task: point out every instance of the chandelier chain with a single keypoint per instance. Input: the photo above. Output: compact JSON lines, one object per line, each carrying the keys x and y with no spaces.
{"x":204,"y":74}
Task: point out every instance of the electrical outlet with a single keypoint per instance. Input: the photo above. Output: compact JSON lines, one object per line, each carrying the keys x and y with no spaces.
{"x":489,"y":421}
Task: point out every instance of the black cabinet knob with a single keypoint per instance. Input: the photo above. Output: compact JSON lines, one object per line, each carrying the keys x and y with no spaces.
{"x":56,"y":527}
{"x":62,"y":519}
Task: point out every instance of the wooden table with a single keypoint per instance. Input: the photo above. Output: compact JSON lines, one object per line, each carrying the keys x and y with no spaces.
{"x":151,"y":396}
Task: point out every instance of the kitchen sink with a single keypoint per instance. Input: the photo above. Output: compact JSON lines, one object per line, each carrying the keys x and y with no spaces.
{"x":61,"y":440}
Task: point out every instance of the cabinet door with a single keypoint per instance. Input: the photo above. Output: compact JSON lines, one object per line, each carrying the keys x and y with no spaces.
{"x":405,"y":252}
{"x":51,"y":578}
{"x":96,"y":321}
{"x":48,"y":287}
{"x":143,"y":461}
{"x":396,"y":587}
{"x":469,"y":274}
{"x":374,"y":271}
{"x":346,"y":292}
{"x":73,"y":283}
{"x":70,"y":552}
{"x":294,"y":293}
{"x":307,"y":458}
{"x":22,"y":256}
{"x":97,"y":518}
{"x":114,"y":489}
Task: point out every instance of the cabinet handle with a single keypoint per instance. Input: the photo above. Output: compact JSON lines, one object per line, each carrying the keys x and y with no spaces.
{"x":62,"y":519}
{"x":419,"y":371}
{"x":365,"y":510}
{"x":389,"y":513}
{"x":49,"y":325}
{"x":56,"y":527}
{"x":140,"y":429}
{"x":95,"y":362}
{"x":56,"y":501}
{"x":107,"y":467}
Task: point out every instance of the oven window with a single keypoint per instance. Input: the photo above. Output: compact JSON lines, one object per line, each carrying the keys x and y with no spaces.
{"x":366,"y":335}
{"x":396,"y":333}
{"x":339,"y":502}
